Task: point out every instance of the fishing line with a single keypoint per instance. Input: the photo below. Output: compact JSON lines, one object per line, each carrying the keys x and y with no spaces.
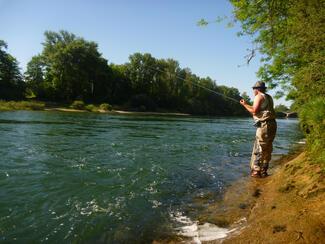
{"x":196,"y":84}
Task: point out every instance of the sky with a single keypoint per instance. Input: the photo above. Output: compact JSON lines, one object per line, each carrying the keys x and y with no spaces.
{"x":163,"y":28}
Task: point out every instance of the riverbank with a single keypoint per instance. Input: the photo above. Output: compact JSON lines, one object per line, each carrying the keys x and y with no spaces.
{"x":286,"y":207}
{"x":116,"y":112}
{"x":21,"y":105}
{"x":42,"y":106}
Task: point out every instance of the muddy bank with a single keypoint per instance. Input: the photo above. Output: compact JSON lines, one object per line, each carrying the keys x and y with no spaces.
{"x":286,"y":207}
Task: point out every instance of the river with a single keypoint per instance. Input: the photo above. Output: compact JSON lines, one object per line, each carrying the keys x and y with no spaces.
{"x":87,"y":177}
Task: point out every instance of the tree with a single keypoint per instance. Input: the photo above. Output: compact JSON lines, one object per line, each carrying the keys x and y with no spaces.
{"x":290,"y":35}
{"x":12,"y":85}
{"x":69,"y":68}
{"x":141,"y":71}
{"x":121,"y":87}
{"x":34,"y":77}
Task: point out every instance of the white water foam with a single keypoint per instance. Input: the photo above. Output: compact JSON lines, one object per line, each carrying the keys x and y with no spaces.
{"x":201,"y":232}
{"x":303,"y":141}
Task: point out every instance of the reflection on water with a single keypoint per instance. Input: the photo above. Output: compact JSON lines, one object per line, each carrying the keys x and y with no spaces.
{"x":98,"y":177}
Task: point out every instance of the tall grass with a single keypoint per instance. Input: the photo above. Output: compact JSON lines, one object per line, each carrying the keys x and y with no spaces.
{"x":21,"y":105}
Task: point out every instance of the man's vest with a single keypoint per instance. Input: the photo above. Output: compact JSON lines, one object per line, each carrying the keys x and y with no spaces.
{"x":266,"y":110}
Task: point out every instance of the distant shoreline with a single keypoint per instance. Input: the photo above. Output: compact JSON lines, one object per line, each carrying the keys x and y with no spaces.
{"x":91,"y":108}
{"x":39,"y":106}
{"x":62,"y":109}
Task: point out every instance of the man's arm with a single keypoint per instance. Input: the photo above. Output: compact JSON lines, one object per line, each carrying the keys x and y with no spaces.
{"x":256,"y":105}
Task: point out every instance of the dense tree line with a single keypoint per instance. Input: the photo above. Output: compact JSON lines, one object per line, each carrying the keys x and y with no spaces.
{"x":290,"y":35}
{"x":71,"y":68}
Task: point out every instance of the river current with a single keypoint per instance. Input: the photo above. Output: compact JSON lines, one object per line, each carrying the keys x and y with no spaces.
{"x":87,"y":177}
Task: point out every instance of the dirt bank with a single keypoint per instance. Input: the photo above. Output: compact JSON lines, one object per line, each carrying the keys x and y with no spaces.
{"x":286,"y":207}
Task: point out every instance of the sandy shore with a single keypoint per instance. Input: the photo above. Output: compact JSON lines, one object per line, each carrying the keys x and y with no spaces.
{"x":116,"y":112}
{"x":65,"y":110}
{"x":286,"y":207}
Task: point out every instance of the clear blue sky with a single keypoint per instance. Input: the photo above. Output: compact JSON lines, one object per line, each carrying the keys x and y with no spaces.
{"x":164,"y":28}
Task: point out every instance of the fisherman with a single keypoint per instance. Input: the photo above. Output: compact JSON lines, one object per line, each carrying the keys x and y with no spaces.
{"x":264,"y":118}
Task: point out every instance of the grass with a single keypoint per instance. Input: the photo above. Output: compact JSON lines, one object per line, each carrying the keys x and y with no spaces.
{"x":21,"y":105}
{"x":37,"y":105}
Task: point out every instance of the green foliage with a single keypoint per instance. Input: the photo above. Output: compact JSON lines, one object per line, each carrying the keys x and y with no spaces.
{"x":105,"y":107}
{"x":202,"y":22}
{"x":68,"y":68}
{"x":21,"y":105}
{"x":11,"y":80}
{"x":34,"y":77}
{"x":290,"y":35}
{"x":91,"y":108}
{"x":78,"y":105}
{"x":312,"y":121}
{"x":141,"y":72}
{"x":161,"y":83}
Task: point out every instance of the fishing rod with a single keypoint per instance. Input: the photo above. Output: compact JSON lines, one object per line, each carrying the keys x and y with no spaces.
{"x":196,"y":84}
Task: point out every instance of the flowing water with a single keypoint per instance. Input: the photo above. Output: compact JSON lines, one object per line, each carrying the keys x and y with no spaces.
{"x":85,"y":177}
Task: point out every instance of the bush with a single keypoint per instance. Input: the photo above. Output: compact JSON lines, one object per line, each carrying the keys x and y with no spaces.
{"x":312,"y":122}
{"x":105,"y":107}
{"x":91,"y":108}
{"x":78,"y":105}
{"x":33,"y":105}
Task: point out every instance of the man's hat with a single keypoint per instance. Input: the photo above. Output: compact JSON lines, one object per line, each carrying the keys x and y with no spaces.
{"x":259,"y":84}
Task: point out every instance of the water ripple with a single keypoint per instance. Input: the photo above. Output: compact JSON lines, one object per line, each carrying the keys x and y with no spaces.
{"x":68,"y":177}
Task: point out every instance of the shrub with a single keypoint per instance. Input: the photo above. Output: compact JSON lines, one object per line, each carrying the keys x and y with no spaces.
{"x":312,"y":122}
{"x":91,"y":108}
{"x":105,"y":107}
{"x":78,"y":105}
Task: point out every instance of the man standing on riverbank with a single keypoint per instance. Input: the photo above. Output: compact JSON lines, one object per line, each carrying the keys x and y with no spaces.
{"x":264,"y":118}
